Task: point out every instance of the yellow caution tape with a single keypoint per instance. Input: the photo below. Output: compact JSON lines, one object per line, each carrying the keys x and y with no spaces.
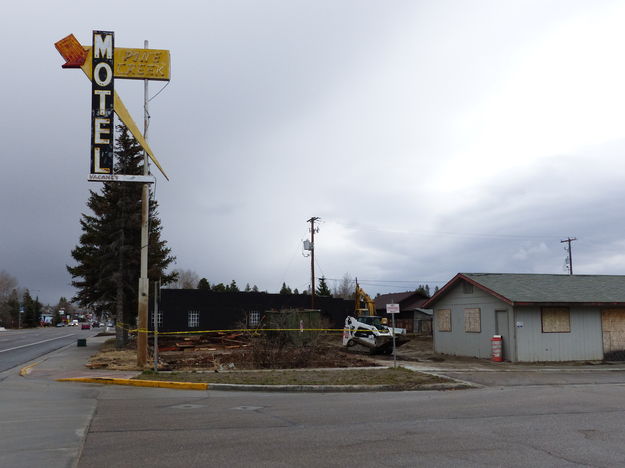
{"x":254,"y":331}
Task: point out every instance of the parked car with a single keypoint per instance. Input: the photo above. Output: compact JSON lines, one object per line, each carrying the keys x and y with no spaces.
{"x":85,"y":326}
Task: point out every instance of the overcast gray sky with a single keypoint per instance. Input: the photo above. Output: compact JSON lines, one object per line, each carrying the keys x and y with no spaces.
{"x":431,"y":137}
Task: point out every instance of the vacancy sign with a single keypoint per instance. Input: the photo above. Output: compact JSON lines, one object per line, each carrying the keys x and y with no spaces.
{"x":392,"y":308}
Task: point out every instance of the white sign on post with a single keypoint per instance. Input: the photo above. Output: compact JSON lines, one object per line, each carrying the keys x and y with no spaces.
{"x":393,"y":309}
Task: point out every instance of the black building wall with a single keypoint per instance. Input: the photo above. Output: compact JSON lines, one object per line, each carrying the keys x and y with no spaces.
{"x":227,"y":310}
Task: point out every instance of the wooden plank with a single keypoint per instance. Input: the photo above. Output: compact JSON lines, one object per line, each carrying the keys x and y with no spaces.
{"x":556,"y":320}
{"x":613,"y":326}
{"x":443,"y":320}
{"x":472,"y":320}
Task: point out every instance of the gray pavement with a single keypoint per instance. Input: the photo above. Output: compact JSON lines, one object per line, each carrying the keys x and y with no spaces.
{"x":540,"y":415}
{"x":539,"y":426}
{"x":486,"y":373}
{"x":19,"y":346}
{"x":44,"y":422}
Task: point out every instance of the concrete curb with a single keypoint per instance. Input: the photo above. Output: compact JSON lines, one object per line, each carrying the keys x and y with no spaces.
{"x":335,"y":388}
{"x":263,"y":388}
{"x":138,"y":383}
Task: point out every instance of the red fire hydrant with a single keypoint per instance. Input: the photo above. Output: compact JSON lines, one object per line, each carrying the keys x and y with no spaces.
{"x":496,"y":348}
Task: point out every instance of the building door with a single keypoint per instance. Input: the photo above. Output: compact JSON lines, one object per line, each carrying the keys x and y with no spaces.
{"x":613,"y":328}
{"x":502,"y":328}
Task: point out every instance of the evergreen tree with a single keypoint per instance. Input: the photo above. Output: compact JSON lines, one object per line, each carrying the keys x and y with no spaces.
{"x":424,"y":290}
{"x":203,"y":284}
{"x":322,"y":289}
{"x":219,"y":287}
{"x":247,"y":287}
{"x":36,"y":312}
{"x":285,"y":289}
{"x":56,"y":317}
{"x":295,"y":291}
{"x":254,"y":288}
{"x":232,"y":287}
{"x":13,"y":306}
{"x":32,"y":311}
{"x":107,"y":258}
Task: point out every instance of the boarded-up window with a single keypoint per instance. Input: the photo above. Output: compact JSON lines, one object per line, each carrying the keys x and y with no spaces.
{"x":556,"y":320}
{"x":472,"y":322}
{"x":443,"y":320}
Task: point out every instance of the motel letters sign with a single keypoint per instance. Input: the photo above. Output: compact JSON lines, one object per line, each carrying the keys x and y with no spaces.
{"x":102,"y":62}
{"x":102,"y":102}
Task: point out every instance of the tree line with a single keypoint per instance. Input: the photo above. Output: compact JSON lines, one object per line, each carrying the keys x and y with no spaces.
{"x":345,"y":288}
{"x":19,"y":309}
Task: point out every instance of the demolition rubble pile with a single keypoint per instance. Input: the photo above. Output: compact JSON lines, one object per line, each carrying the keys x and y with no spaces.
{"x":229,"y":351}
{"x":208,"y":351}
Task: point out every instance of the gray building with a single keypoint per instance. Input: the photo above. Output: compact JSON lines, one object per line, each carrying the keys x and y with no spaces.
{"x":540,"y":317}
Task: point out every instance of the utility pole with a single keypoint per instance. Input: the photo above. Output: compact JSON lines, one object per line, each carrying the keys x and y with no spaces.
{"x":142,"y":322}
{"x":155,"y":322}
{"x":312,"y":259}
{"x":569,"y":240}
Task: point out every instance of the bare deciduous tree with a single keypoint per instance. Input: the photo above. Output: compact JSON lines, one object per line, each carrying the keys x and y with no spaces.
{"x":186,"y":279}
{"x":345,"y":289}
{"x":7,"y":284}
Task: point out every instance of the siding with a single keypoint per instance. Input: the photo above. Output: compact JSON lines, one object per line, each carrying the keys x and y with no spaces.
{"x":582,"y":343}
{"x":461,"y":343}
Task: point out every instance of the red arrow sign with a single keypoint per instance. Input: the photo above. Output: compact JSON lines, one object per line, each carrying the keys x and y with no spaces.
{"x":72,"y":51}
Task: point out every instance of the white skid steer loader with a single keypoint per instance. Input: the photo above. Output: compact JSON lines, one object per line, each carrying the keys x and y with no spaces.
{"x":368,"y":329}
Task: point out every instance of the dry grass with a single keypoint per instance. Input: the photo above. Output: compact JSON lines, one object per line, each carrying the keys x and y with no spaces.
{"x":109,"y":357}
{"x":397,"y":379}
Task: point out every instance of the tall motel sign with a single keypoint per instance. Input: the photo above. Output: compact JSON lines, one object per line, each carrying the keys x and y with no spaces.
{"x":102,"y":63}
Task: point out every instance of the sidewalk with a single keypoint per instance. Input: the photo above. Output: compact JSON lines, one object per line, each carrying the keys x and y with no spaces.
{"x":69,"y":362}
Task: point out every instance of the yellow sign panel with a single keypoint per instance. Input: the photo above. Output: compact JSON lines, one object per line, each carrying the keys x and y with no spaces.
{"x":142,"y":64}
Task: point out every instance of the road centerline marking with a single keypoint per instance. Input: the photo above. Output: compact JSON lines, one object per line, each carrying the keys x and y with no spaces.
{"x":35,"y":343}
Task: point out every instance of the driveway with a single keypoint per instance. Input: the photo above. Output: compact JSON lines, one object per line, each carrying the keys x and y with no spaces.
{"x":505,"y":374}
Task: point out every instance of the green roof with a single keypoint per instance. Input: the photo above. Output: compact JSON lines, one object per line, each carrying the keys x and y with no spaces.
{"x":523,"y":288}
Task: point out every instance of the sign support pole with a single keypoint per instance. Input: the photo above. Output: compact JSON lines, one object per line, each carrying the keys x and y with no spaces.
{"x":393,"y":309}
{"x":394,"y":348}
{"x":142,"y":322}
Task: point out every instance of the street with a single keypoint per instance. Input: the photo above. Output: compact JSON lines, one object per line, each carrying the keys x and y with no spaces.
{"x":559,"y":417}
{"x":542,"y":426}
{"x":20,"y":346}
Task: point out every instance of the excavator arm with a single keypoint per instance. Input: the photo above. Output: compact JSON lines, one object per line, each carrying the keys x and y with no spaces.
{"x":362,"y":296}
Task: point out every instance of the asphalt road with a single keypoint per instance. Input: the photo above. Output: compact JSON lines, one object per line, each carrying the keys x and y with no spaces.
{"x":538,"y":426}
{"x":519,"y":419}
{"x":18,"y":347}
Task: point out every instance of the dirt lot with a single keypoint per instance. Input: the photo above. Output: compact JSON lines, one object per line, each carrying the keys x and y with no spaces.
{"x":195,"y":354}
{"x":234,"y":359}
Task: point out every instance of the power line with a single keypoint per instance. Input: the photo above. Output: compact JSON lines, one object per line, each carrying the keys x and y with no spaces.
{"x":393,"y":281}
{"x":450,"y":234}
